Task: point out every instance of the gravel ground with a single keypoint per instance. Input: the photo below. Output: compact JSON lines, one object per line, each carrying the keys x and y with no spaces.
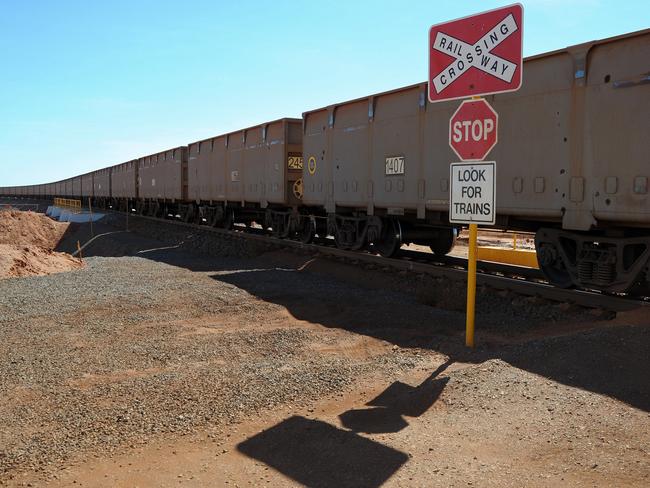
{"x":498,"y":425}
{"x":161,"y":345}
{"x":109,"y":355}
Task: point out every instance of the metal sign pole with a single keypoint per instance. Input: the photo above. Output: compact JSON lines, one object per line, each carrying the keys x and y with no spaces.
{"x":471,"y":281}
{"x":471,"y":286}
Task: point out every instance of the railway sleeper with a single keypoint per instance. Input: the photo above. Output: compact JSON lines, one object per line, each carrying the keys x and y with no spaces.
{"x":610,"y":264}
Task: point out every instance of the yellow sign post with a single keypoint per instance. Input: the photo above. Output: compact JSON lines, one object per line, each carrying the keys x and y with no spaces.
{"x":471,"y":286}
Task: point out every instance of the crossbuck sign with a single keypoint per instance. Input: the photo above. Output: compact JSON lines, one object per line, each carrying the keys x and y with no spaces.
{"x":476,"y":55}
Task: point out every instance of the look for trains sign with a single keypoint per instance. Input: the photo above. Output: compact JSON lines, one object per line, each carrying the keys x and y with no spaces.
{"x":473,"y":189}
{"x":476,"y":55}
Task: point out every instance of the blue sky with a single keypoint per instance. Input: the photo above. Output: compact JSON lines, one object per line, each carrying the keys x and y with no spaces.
{"x":88,"y":84}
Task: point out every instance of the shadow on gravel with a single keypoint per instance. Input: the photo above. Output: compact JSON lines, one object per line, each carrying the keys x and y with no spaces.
{"x":115,"y":241}
{"x":395,"y":402}
{"x":612,"y":361}
{"x":317,"y":454}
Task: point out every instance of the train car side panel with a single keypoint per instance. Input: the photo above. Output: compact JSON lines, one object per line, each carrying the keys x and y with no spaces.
{"x":102,"y":183}
{"x":316,"y":173}
{"x":123,"y":180}
{"x":350,"y":157}
{"x":254,"y":159}
{"x":616,"y":148}
{"x":235,"y":166}
{"x":87,"y":186}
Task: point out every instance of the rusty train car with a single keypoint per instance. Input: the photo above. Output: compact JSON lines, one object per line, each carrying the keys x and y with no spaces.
{"x":573,"y":167}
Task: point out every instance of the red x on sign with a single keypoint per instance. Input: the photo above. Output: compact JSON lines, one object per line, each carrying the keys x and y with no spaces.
{"x":476,"y":55}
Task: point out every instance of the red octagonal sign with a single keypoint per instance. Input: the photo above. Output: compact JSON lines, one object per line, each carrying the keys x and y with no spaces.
{"x":473,"y":130}
{"x":476,"y":55}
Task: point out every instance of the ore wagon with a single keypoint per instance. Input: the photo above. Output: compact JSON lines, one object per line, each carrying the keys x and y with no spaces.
{"x":86,"y":187}
{"x":124,"y":189}
{"x":102,"y":186}
{"x":248,"y":175}
{"x":162,"y":180}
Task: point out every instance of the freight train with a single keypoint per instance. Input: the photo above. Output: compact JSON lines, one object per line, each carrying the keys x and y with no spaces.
{"x":573,"y":164}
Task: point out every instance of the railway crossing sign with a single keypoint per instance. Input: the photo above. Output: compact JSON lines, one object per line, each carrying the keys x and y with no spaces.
{"x":473,"y":130}
{"x":476,"y":55}
{"x":473,"y":191}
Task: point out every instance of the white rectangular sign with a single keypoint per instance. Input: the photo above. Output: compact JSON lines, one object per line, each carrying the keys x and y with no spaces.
{"x":472,"y":193}
{"x":395,"y":165}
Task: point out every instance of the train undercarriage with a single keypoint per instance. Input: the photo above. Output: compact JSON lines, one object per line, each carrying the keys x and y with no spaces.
{"x":609,"y":262}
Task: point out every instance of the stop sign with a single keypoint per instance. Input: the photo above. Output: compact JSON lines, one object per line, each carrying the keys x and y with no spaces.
{"x":473,"y":130}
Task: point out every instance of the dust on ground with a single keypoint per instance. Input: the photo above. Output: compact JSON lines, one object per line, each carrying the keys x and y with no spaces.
{"x":27,"y":242}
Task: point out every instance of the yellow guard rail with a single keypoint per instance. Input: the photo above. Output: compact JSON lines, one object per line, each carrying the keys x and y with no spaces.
{"x":65,"y":202}
{"x":518,"y":257}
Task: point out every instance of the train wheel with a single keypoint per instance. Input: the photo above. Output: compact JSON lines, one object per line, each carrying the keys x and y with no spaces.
{"x":359,"y":244}
{"x":307,"y":230}
{"x":188,"y":214}
{"x":553,"y":267}
{"x":444,"y":242}
{"x":339,"y":239}
{"x":228,"y":219}
{"x":557,"y":276}
{"x":213,"y":219}
{"x":391,"y":239}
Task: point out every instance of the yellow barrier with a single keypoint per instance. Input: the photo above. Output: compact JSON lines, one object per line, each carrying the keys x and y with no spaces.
{"x":518,"y":257}
{"x":65,"y":202}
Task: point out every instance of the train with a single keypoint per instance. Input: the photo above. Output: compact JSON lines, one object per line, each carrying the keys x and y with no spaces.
{"x":573,"y":166}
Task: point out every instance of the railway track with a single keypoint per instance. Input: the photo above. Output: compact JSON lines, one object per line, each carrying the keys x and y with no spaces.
{"x":498,"y":276}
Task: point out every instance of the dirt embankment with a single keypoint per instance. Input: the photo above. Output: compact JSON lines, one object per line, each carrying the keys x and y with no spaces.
{"x":27,"y":242}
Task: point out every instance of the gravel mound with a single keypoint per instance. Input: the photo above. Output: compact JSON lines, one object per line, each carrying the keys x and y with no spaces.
{"x":30,"y":229}
{"x":27,"y":240}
